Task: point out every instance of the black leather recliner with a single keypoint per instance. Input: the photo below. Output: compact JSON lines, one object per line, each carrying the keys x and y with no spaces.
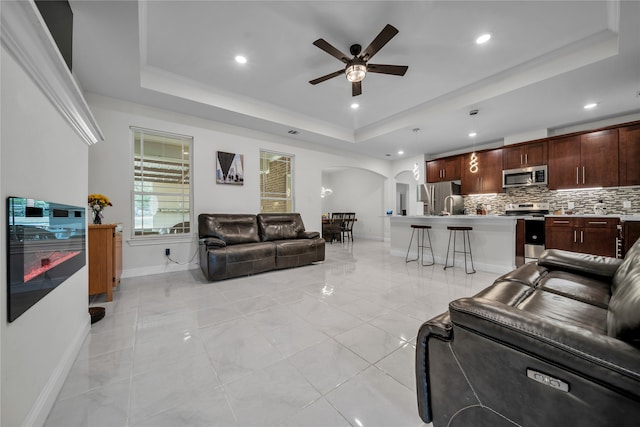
{"x":233,"y":245}
{"x":552,"y":343}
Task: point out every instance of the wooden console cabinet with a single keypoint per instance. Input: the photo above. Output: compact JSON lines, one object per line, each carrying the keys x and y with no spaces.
{"x":105,"y":258}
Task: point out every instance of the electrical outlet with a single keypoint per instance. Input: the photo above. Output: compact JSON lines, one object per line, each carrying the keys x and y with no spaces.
{"x":570,"y":205}
{"x":626,"y":204}
{"x":167,"y":252}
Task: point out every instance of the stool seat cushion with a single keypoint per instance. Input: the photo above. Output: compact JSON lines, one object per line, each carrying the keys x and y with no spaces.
{"x":420,"y":226}
{"x":456,"y":228}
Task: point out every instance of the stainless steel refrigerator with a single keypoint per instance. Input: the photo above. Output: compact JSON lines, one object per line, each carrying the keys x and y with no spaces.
{"x":434,"y":195}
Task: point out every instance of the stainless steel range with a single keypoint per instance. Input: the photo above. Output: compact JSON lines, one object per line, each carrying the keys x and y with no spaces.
{"x":527,"y":209}
{"x":533,"y":214}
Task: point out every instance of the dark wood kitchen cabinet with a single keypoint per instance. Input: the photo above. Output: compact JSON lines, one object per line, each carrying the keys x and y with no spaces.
{"x":444,"y":169}
{"x":630,"y":233}
{"x":629,"y":171}
{"x":592,"y":235}
{"x":524,"y":155}
{"x":520,"y":241}
{"x":488,"y":178}
{"x":582,"y":161}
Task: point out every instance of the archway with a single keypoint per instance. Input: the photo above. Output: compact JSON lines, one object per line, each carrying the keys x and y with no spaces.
{"x":357,"y":190}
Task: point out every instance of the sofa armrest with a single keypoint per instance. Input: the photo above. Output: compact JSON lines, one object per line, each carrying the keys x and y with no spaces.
{"x":440,"y":328}
{"x":604,"y":359}
{"x":596,"y":266}
{"x":308,"y":235}
{"x":213,"y":242}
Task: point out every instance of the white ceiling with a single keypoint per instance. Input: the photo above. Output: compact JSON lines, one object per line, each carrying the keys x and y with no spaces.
{"x":544,"y":62}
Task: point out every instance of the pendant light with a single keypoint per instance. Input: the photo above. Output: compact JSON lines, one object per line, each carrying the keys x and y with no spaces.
{"x":416,"y":166}
{"x":473,"y":162}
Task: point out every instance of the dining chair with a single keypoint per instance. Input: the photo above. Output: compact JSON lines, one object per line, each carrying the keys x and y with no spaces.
{"x":347,"y":225}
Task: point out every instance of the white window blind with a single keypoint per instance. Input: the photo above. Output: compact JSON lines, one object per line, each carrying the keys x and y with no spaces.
{"x":161,"y":184}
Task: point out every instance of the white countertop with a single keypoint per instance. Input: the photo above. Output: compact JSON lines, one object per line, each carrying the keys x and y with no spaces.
{"x":444,"y":218}
{"x":622,"y":217}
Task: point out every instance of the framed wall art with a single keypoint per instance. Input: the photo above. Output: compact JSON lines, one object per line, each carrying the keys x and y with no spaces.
{"x":229,"y":168}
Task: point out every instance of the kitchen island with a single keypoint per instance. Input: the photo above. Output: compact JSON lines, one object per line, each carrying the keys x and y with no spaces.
{"x":493,"y":239}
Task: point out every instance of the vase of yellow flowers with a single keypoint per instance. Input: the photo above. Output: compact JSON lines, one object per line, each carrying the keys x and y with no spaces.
{"x":97,"y":203}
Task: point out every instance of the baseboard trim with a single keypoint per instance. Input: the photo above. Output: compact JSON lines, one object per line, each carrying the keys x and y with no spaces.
{"x":47,"y":398}
{"x":158,"y":269}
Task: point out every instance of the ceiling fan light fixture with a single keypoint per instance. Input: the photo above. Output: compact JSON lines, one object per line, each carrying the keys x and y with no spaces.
{"x":356,"y":72}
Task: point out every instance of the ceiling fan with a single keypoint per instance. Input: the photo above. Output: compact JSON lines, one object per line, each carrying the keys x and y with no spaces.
{"x":357,"y":67}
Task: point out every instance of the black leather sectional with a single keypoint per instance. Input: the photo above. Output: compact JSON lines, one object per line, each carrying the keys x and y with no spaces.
{"x":233,"y":245}
{"x":552,"y":343}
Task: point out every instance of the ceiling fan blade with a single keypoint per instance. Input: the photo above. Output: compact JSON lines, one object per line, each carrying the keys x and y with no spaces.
{"x":356,"y":88}
{"x":396,"y":70}
{"x":324,"y":45}
{"x":327,"y":77}
{"x":381,"y":39}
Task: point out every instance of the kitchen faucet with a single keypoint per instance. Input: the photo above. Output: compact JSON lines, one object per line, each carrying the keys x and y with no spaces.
{"x":446,"y":211}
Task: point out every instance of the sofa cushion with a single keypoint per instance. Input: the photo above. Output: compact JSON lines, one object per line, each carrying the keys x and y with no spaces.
{"x":280,"y":226}
{"x":596,"y":266}
{"x":233,"y":229}
{"x":506,"y":292}
{"x":623,"y":320}
{"x":528,"y":274}
{"x":581,"y":288}
{"x":566,"y":310}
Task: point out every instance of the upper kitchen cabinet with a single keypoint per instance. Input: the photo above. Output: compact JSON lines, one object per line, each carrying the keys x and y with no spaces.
{"x":488,"y":176}
{"x":582,"y":161}
{"x":630,"y":155}
{"x":525,"y":155}
{"x":444,"y":169}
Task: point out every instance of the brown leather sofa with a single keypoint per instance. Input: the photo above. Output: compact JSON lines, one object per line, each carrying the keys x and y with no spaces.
{"x":552,"y":343}
{"x":233,"y":245}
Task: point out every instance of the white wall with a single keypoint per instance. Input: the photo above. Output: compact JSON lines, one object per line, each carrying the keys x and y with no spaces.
{"x":402,"y":172}
{"x":111,"y":174}
{"x":360,"y":191}
{"x":41,"y":158}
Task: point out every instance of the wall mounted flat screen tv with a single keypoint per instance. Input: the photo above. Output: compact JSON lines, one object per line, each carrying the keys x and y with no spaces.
{"x":45,"y":246}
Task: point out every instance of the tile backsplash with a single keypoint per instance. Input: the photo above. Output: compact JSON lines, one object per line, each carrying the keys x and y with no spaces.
{"x":583,"y":200}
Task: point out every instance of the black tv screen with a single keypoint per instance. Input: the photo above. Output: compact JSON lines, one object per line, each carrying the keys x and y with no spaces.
{"x":45,"y":245}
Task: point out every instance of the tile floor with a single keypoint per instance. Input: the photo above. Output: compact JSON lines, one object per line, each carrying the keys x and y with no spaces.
{"x":325,"y":345}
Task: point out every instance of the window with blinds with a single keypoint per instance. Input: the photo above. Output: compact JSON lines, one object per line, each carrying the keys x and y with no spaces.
{"x":276,"y":182}
{"x":161,"y":184}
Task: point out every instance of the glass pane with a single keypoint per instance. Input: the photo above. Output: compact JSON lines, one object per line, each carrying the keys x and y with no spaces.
{"x":276,"y":182}
{"x":161,"y":184}
{"x":161,"y":214}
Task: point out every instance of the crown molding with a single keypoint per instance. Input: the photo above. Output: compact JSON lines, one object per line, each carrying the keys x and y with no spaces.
{"x":25,"y":36}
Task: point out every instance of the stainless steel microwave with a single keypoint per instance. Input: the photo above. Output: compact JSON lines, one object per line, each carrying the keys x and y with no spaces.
{"x":535,"y":175}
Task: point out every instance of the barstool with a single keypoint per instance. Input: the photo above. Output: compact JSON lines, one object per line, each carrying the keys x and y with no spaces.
{"x":420,"y":242}
{"x":465,"y":240}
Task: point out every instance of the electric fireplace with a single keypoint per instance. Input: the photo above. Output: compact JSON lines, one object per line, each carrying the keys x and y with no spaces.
{"x":45,"y":245}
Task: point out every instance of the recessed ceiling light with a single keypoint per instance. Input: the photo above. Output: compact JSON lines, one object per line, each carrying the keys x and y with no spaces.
{"x":400,"y":152}
{"x":241,"y":59}
{"x":483,"y":38}
{"x":473,"y":134}
{"x":355,"y":106}
{"x":590,"y":106}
